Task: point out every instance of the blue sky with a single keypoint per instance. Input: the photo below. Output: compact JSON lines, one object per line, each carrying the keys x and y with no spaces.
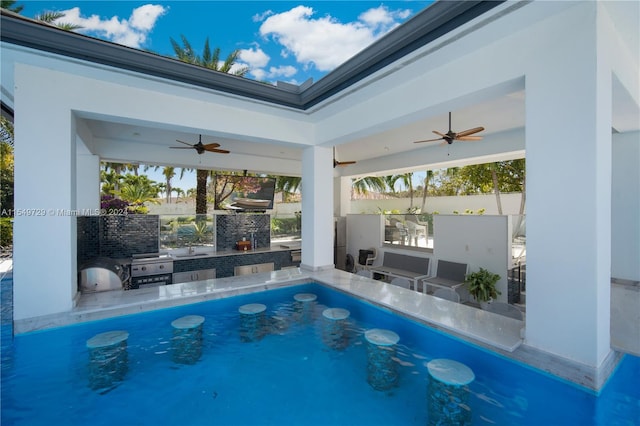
{"x":277,"y":40}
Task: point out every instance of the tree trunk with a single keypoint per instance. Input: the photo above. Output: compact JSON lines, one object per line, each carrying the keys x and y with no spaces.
{"x":494,"y":175}
{"x":427,"y":178}
{"x":523,"y":195}
{"x":201,"y":191}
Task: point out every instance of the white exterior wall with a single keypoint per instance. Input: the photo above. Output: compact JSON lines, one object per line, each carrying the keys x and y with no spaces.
{"x":625,"y":207}
{"x":45,"y":240}
{"x":88,"y":183}
{"x":478,"y":241}
{"x":363,"y":232}
{"x":443,"y":205}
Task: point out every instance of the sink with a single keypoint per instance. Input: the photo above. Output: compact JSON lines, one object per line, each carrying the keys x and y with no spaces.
{"x":191,"y":255}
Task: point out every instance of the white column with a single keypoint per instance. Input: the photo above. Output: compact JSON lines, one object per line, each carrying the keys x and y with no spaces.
{"x":88,"y":183}
{"x":317,"y":208}
{"x":342,"y":195}
{"x":568,"y":152}
{"x":44,"y":273}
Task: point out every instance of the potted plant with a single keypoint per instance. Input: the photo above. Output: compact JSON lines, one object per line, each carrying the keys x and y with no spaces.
{"x":482,"y":286}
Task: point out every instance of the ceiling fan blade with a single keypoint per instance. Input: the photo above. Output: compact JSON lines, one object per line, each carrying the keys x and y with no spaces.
{"x":182,"y":147}
{"x":218,"y":151}
{"x":469,"y":138}
{"x":344,"y":163}
{"x":469,"y":132}
{"x":186,"y":143}
{"x":439,"y":134}
{"x":429,"y":140}
{"x":211,"y":145}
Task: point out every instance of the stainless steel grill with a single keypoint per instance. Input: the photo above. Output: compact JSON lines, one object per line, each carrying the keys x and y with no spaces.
{"x":151,"y":270}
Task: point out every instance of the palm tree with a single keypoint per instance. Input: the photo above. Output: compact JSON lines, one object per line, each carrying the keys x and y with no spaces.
{"x":179,"y":192}
{"x":407,"y":181}
{"x":11,"y":5}
{"x":427,"y":179}
{"x":109,"y":182}
{"x":368,"y":183}
{"x":118,"y":169}
{"x":288,"y":185}
{"x":51,"y":17}
{"x":168,"y":173}
{"x":47,"y":16}
{"x":210,"y":60}
{"x":138,"y":190}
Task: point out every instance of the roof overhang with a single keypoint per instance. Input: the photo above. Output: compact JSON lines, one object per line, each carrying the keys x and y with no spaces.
{"x":429,"y":24}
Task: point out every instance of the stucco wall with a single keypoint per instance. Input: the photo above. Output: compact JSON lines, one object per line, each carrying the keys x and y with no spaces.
{"x":625,"y":207}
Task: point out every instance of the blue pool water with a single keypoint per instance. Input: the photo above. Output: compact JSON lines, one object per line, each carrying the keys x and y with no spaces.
{"x":289,"y":377}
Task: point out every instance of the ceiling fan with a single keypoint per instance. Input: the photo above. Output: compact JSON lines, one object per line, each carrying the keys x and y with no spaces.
{"x":340,"y":163}
{"x":200,"y":147}
{"x":451,"y":136}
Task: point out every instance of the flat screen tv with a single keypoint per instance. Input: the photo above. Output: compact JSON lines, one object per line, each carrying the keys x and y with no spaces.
{"x":244,"y":193}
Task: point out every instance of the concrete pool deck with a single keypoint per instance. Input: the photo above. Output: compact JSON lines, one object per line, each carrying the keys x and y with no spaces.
{"x":496,"y":333}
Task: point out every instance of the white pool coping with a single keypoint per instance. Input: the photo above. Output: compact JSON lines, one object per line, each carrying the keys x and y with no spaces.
{"x":494,"y":330}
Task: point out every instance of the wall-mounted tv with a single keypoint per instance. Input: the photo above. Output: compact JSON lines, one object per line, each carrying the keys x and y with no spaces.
{"x":244,"y":193}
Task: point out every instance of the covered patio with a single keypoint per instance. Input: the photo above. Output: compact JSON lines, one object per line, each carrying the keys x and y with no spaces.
{"x":555,"y":82}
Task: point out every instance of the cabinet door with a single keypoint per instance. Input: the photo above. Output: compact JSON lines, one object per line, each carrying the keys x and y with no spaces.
{"x":189,"y":276}
{"x":205,"y":274}
{"x":254,"y":269}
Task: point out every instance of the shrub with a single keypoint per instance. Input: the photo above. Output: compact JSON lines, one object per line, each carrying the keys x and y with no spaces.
{"x":6,"y":231}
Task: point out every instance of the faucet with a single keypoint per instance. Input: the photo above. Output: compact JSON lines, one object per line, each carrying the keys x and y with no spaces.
{"x":191,"y":250}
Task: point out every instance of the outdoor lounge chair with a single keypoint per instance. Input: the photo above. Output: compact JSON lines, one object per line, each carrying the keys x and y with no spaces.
{"x":415,"y":232}
{"x":448,"y":275}
{"x":366,"y":258}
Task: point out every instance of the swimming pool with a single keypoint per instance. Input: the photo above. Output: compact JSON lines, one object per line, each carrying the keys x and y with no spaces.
{"x":290,"y":376}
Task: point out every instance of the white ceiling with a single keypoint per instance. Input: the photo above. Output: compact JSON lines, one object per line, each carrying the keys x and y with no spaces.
{"x":496,"y":115}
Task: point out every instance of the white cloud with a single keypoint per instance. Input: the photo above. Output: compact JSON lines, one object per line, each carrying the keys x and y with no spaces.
{"x":254,"y":57}
{"x":261,"y":16}
{"x":382,"y":19}
{"x":130,"y":32}
{"x":273,"y":73}
{"x":282,"y":71}
{"x":325,"y":42}
{"x":144,"y":17}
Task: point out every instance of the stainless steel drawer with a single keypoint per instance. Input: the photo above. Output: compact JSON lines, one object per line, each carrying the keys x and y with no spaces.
{"x":189,"y":276}
{"x":253,"y":269}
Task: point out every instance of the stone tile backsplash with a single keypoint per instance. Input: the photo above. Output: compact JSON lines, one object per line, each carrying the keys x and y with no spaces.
{"x":231,"y":228}
{"x":124,"y":236}
{"x":116,"y":236}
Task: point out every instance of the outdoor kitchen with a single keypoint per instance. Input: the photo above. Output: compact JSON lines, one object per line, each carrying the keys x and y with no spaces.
{"x":142,"y":251}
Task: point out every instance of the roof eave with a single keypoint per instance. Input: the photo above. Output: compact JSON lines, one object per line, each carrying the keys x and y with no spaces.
{"x":428,"y":25}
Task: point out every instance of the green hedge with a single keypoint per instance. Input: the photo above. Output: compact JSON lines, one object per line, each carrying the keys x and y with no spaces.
{"x":285,"y":226}
{"x":6,"y":231}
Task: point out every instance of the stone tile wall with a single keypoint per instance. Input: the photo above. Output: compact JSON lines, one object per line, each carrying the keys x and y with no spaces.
{"x":233,"y":227}
{"x":116,"y":236}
